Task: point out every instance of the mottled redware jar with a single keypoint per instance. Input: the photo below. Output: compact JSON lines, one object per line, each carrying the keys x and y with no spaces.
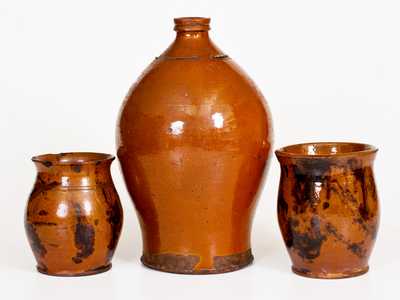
{"x":73,"y":217}
{"x":194,"y":136}
{"x":328,"y":207}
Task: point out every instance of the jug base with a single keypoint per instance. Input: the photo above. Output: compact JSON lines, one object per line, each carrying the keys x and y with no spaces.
{"x":185,"y":264}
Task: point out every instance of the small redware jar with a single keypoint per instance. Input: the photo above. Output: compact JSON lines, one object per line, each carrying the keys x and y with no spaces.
{"x":73,"y":216}
{"x":328,"y":207}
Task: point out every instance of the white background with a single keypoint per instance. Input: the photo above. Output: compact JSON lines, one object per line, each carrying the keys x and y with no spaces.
{"x":330,"y":71}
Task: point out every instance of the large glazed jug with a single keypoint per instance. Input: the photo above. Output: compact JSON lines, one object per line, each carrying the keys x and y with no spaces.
{"x":193,"y":137}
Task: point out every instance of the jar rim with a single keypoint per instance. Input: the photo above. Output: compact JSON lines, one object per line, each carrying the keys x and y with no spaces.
{"x":72,"y":158}
{"x":325,"y":149}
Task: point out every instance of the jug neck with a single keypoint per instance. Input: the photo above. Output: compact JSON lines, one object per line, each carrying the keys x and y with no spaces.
{"x":192,"y":24}
{"x":192,"y":36}
{"x":192,"y":40}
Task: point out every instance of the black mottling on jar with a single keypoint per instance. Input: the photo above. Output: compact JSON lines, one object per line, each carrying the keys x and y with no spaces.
{"x":76,"y":168}
{"x":47,"y":163}
{"x":308,"y":244}
{"x":315,"y":167}
{"x":84,"y":236}
{"x":34,"y":239}
{"x":356,"y":249}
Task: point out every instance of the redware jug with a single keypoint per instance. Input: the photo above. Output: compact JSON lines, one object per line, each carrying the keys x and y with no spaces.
{"x":194,"y":137}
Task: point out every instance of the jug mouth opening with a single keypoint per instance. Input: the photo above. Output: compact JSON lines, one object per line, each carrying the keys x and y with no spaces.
{"x":325,"y":149}
{"x":72,"y":158}
{"x":192,"y":24}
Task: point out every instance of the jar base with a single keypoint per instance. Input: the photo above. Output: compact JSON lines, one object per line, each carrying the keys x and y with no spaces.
{"x":310,"y":274}
{"x":99,"y":270}
{"x":185,"y":264}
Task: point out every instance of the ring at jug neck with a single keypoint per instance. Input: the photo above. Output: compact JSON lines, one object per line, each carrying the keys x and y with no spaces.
{"x":191,"y":24}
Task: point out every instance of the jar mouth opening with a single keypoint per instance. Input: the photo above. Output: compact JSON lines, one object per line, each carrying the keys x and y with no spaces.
{"x":325,"y":149}
{"x":72,"y":158}
{"x":192,"y":24}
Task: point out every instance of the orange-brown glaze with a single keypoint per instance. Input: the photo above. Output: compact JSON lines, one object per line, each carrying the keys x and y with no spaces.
{"x":328,"y":207}
{"x":193,"y":139}
{"x":73,"y":217}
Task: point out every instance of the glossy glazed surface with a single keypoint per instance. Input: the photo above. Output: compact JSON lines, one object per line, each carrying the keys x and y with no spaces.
{"x":73,"y":217}
{"x":328,"y":207}
{"x":193,"y":139}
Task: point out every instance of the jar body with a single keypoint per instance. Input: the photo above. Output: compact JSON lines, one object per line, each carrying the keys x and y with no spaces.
{"x":73,"y":219}
{"x":328,"y":213}
{"x":193,"y":139}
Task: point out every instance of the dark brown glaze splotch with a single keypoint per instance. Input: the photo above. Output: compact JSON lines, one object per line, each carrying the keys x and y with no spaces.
{"x":316,"y":169}
{"x":47,"y":163}
{"x":308,"y":244}
{"x":328,"y":208}
{"x":72,"y":228}
{"x":41,"y":187}
{"x":114,"y":218}
{"x":34,"y":239}
{"x":356,"y":248}
{"x":287,"y":224}
{"x":76,"y":168}
{"x":84,"y":236}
